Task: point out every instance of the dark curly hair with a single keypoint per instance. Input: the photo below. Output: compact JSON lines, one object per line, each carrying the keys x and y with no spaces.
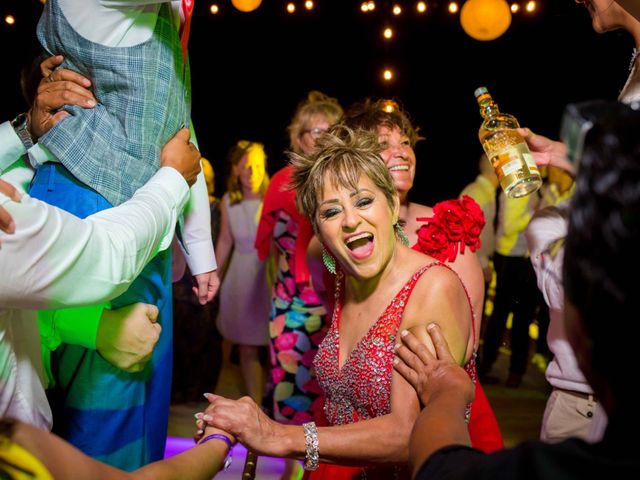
{"x":602,"y":252}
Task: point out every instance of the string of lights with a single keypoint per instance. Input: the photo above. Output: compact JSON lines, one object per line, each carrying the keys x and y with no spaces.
{"x":482,"y":20}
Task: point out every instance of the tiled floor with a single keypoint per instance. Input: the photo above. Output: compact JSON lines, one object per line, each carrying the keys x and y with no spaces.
{"x":519,"y":412}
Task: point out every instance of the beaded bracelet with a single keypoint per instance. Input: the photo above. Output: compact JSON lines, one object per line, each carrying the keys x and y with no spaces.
{"x":312,"y":453}
{"x":224,"y":438}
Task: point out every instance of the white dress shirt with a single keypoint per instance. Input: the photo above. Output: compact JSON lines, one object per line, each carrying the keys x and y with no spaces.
{"x":545,"y":236}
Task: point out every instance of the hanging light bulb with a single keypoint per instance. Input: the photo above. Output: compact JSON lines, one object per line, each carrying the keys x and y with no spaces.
{"x":485,"y":19}
{"x":291,"y":8}
{"x":308,"y":5}
{"x":453,"y":7}
{"x":10,"y":20}
{"x":372,"y":6}
{"x":397,"y":10}
{"x":387,"y":74}
{"x":214,"y":9}
{"x":421,"y":7}
{"x":388,"y":33}
{"x":515,"y":8}
{"x":531,"y":6}
{"x":246,"y":5}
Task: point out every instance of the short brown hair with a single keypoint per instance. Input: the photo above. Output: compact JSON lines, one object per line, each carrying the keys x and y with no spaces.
{"x":371,"y":114}
{"x":345,"y":155}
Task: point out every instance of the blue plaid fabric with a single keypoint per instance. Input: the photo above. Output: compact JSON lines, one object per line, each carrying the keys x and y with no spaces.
{"x":143,"y":96}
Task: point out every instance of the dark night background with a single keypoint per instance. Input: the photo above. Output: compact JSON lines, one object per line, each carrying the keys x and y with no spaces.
{"x":249,"y":70}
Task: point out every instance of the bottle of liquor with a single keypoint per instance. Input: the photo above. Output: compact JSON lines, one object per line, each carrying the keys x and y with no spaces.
{"x":506,"y":149}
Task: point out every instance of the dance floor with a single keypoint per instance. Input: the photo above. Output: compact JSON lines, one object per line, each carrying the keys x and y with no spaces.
{"x":268,"y":468}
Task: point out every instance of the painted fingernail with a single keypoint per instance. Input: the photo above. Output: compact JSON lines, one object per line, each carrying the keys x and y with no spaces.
{"x":206,"y":395}
{"x":198,"y":415}
{"x":395,"y":360}
{"x":404,"y":333}
{"x":91,"y":103}
{"x":431,"y":326}
{"x":207,"y":418}
{"x":396,"y":346}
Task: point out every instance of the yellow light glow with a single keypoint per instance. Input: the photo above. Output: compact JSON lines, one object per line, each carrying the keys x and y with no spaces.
{"x":397,"y":10}
{"x":9,"y":19}
{"x":364,"y":7}
{"x":308,"y":5}
{"x":531,"y":6}
{"x":372,"y":6}
{"x":515,"y":7}
{"x":389,"y":106}
{"x":421,"y":7}
{"x":453,"y":7}
{"x":291,"y":8}
{"x":387,"y":74}
{"x":214,"y":8}
{"x":388,"y":33}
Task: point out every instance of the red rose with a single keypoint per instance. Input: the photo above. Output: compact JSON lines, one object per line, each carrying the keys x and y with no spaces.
{"x":434,"y":241}
{"x":450,"y":214}
{"x":473,"y":222}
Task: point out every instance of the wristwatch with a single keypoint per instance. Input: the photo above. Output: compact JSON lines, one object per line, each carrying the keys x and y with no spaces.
{"x":20,"y":126}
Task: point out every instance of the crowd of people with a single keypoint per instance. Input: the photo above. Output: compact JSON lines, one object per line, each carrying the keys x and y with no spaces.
{"x":371,"y":305}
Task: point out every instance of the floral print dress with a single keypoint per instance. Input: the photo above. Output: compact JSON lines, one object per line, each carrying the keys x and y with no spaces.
{"x":296,"y":328}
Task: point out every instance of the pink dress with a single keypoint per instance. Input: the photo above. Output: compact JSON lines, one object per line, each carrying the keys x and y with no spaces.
{"x":361,"y":389}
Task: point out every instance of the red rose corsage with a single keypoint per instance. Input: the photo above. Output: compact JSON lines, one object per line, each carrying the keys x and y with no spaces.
{"x":455,"y":224}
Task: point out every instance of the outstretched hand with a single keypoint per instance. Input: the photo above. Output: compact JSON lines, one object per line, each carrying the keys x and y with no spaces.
{"x":245,"y":421}
{"x":429,"y":373}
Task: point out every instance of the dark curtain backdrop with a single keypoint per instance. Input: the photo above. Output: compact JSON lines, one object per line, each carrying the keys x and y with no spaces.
{"x":250,"y":70}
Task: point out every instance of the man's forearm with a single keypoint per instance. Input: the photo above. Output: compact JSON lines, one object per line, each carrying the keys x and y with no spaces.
{"x":440,"y":423}
{"x":59,"y":260}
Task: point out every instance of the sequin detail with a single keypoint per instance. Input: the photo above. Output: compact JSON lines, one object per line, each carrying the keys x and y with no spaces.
{"x":361,"y":388}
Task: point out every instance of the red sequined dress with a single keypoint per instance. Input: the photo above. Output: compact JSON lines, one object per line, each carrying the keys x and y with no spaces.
{"x":361,"y":388}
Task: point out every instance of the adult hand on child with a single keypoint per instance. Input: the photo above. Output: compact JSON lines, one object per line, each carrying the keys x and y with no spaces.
{"x":58,"y":87}
{"x":128,"y":335}
{"x":181,"y":154}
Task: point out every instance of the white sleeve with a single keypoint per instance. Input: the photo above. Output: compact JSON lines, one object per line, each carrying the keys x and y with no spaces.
{"x":56,"y":260}
{"x":197,"y":239}
{"x":548,"y":226}
{"x":11,"y":147}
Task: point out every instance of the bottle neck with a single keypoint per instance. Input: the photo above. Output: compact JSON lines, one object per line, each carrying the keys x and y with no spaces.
{"x":488,"y":108}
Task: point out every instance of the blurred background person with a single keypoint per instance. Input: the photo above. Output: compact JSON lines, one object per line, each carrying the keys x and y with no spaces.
{"x":243,"y":318}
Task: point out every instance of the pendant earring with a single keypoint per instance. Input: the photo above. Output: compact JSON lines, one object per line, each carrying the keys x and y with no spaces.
{"x":401,"y":235}
{"x":329,"y":261}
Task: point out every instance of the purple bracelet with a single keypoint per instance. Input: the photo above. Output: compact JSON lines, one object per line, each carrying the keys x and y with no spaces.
{"x":225,"y":439}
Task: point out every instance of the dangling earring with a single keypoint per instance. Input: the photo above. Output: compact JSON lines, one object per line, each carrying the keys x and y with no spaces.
{"x":401,"y":235}
{"x":329,"y":261}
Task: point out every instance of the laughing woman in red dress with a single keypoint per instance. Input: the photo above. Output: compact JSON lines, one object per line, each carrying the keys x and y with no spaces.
{"x":383,"y":286}
{"x":449,"y":231}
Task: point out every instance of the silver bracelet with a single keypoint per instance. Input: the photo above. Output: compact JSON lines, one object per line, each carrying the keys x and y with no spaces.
{"x":312,"y":453}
